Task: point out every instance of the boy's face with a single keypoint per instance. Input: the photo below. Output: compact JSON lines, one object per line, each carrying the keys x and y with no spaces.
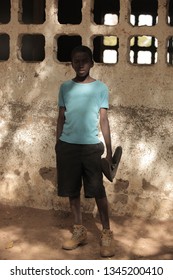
{"x":81,"y":63}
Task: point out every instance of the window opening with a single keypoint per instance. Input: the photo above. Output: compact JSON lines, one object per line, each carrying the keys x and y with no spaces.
{"x":105,"y":49}
{"x":32,"y":49}
{"x":106,"y":12}
{"x":144,"y":12}
{"x":5,"y":10}
{"x":32,"y":11}
{"x":69,"y":12}
{"x":143,"y":50}
{"x":65,"y":45}
{"x":170,"y":51}
{"x":170,"y":12}
{"x":4,"y":47}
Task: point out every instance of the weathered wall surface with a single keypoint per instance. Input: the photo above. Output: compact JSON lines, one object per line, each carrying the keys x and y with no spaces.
{"x":140,"y":115}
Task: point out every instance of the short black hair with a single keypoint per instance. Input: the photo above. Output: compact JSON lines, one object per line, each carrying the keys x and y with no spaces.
{"x":82,"y":48}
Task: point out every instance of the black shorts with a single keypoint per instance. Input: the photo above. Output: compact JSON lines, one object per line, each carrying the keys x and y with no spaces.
{"x":79,"y":165}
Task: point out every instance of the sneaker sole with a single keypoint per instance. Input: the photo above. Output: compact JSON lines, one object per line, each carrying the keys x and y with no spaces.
{"x":82,"y":243}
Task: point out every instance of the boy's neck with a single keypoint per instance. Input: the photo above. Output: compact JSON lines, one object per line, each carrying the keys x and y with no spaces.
{"x":83,"y":80}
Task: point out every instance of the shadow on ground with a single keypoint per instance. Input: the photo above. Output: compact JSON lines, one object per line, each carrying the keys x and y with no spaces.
{"x":32,"y":234}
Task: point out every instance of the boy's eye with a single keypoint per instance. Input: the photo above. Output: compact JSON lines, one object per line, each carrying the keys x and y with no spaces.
{"x":81,"y":61}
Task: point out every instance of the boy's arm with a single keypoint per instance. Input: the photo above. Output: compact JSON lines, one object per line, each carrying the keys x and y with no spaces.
{"x":60,"y":122}
{"x":105,"y":128}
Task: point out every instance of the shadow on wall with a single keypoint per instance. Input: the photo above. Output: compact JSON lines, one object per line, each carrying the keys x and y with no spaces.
{"x":27,"y":135}
{"x":145,"y":184}
{"x":145,"y":135}
{"x":28,"y":118}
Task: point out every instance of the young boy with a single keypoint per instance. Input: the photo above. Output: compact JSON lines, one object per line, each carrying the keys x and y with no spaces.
{"x":83,"y":102}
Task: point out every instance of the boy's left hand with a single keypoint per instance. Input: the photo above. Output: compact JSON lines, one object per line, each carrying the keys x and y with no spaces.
{"x":109,"y":158}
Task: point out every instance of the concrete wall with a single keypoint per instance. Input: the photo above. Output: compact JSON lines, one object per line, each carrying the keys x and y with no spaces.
{"x":140,"y":116}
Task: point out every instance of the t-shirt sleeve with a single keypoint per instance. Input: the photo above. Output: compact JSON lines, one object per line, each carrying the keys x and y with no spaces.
{"x":60,"y":97}
{"x":104,"y":102}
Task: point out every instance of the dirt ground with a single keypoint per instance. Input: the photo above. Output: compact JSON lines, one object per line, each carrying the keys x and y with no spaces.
{"x":32,"y":234}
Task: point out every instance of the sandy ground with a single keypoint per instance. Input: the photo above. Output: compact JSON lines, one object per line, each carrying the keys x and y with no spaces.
{"x":32,"y":234}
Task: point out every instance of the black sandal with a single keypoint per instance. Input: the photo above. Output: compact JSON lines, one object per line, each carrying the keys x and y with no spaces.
{"x":110,"y":169}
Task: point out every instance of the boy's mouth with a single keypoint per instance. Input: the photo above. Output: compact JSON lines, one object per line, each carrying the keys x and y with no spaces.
{"x":81,"y":71}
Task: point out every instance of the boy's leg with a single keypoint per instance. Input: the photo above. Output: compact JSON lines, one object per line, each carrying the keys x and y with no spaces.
{"x":79,"y":235}
{"x":107,"y":246}
{"x":76,"y":210}
{"x":93,"y":187}
{"x":102,"y":205}
{"x":68,"y":162}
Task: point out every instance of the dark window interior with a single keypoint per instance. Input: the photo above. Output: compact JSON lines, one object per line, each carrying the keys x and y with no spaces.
{"x":69,"y":11}
{"x":4,"y":47}
{"x":102,"y":7}
{"x":33,"y":47}
{"x":170,"y":12}
{"x":144,"y":7}
{"x":33,"y":11}
{"x":5,"y":10}
{"x":65,"y":45}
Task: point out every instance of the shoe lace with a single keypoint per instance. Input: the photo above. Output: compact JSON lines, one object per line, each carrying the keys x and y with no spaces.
{"x":106,"y":238}
{"x":77,"y":233}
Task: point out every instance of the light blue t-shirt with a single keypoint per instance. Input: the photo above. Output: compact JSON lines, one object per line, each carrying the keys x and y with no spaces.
{"x":82,"y":103}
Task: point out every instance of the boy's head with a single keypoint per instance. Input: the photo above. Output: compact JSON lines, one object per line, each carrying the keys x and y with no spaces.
{"x":82,"y":61}
{"x":83,"y":49}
